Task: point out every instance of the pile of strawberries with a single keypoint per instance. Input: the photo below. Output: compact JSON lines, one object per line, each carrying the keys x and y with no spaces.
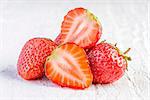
{"x":74,"y":59}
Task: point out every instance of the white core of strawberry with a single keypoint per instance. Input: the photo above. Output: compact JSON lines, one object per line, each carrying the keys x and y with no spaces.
{"x":71,"y":57}
{"x":58,"y":70}
{"x":62,"y":66}
{"x":80,"y":29}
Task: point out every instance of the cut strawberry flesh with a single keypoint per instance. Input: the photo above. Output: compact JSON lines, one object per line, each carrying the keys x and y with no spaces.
{"x":68,"y":66}
{"x":80,"y":27}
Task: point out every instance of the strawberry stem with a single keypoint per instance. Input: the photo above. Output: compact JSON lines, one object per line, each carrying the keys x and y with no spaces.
{"x":127,"y":51}
{"x":127,"y":58}
{"x":115,"y":44}
{"x":103,"y":41}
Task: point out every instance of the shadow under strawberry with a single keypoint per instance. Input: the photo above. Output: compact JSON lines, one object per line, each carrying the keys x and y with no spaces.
{"x":10,"y":73}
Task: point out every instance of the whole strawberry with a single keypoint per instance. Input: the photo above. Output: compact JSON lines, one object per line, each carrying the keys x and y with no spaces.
{"x":107,"y":63}
{"x":32,"y":57}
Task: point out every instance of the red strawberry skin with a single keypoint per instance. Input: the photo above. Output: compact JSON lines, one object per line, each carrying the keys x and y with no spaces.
{"x":32,"y":57}
{"x":59,"y":39}
{"x":106,"y":63}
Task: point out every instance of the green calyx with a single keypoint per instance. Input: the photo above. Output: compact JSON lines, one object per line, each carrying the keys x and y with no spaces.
{"x":103,"y":41}
{"x":92,"y":16}
{"x":53,"y":56}
{"x":124,"y":54}
{"x":127,"y":58}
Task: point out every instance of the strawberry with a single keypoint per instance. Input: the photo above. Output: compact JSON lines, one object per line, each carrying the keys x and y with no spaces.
{"x":80,"y":27}
{"x":32,"y":57}
{"x":68,"y":66}
{"x":88,"y":50}
{"x":107,"y":63}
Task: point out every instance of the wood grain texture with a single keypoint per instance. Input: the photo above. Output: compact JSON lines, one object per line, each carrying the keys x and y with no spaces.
{"x":125,"y":22}
{"x":133,"y":86}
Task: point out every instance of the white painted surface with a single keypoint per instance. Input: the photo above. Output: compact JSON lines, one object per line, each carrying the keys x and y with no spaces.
{"x":123,"y":22}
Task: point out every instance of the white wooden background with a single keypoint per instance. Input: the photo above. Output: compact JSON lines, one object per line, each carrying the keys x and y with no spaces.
{"x":124,"y":22}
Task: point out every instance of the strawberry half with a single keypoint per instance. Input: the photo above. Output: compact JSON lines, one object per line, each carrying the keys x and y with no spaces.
{"x":68,"y":66}
{"x":80,"y":27}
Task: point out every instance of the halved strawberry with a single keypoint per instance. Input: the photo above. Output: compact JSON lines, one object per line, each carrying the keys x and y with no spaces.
{"x":81,"y":27}
{"x":68,"y":66}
